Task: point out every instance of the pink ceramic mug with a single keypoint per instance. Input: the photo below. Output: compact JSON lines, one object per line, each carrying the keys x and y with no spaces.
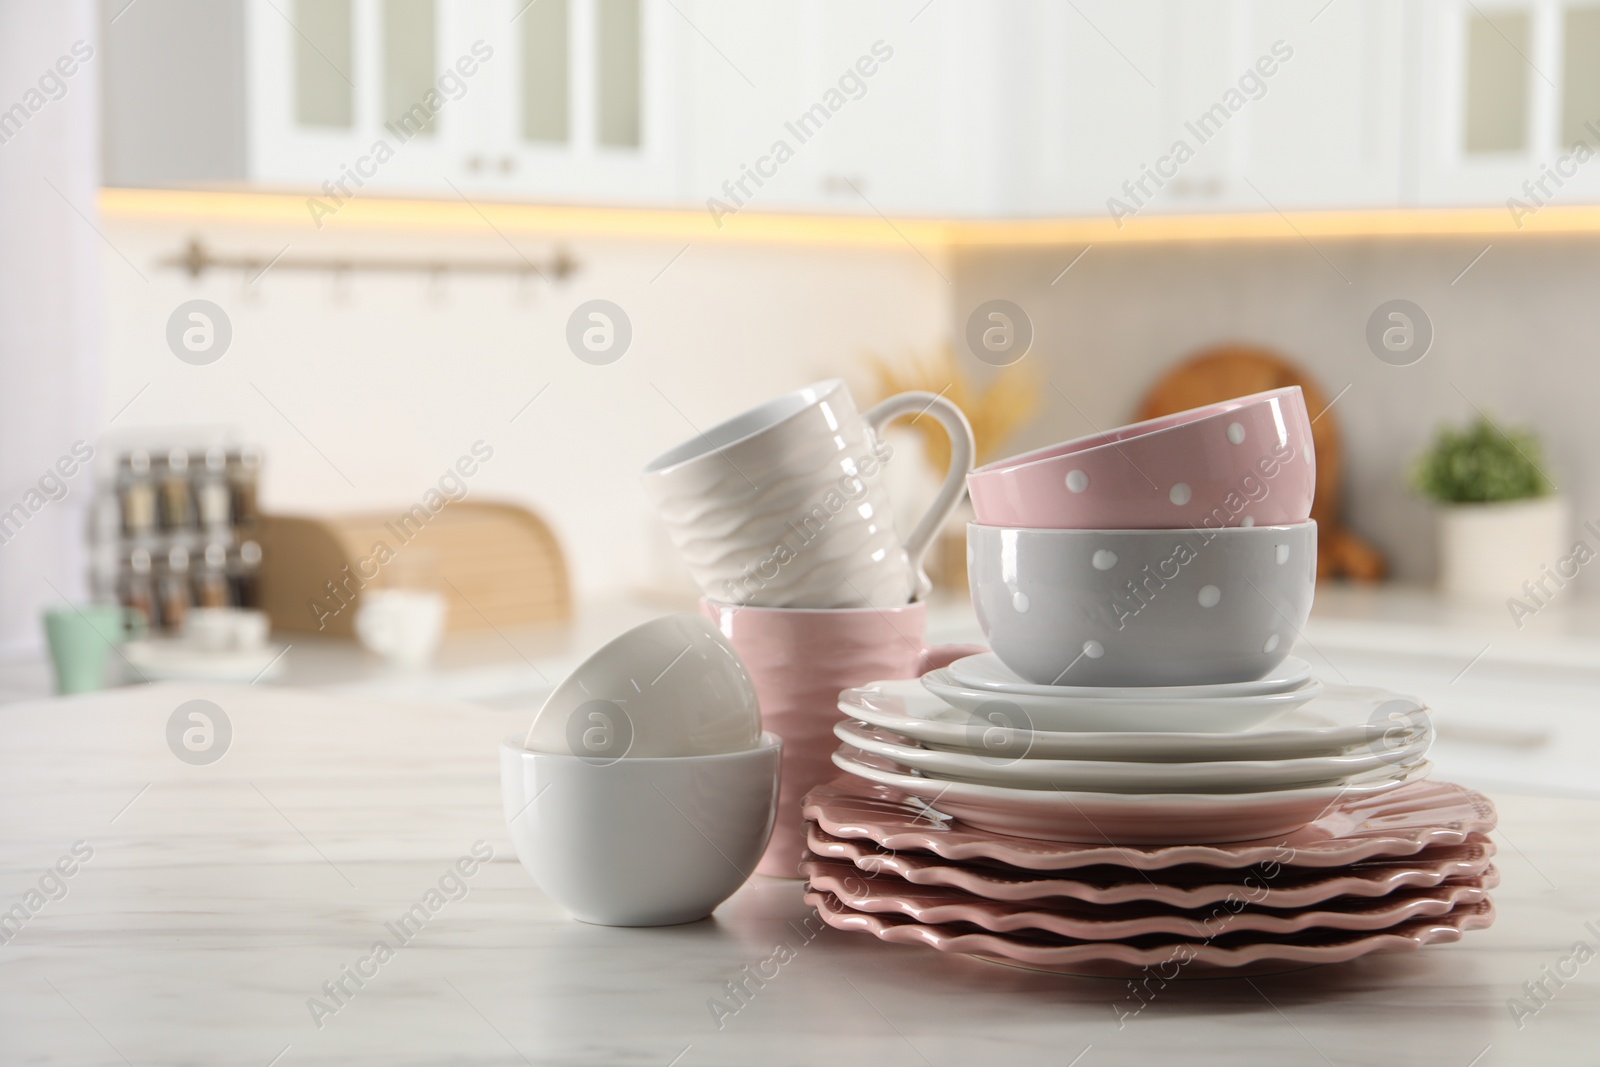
{"x":800,"y":659}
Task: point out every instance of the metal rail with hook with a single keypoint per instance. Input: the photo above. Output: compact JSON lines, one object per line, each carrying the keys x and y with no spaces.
{"x":196,"y":259}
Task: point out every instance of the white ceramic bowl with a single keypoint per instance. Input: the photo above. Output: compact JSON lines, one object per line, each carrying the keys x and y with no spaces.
{"x":1142,"y":607}
{"x":640,"y":842}
{"x":670,"y":687}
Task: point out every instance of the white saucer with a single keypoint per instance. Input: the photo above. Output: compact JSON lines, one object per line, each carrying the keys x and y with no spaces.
{"x":169,"y":660}
{"x":1341,"y":719}
{"x":986,"y":671}
{"x":1006,"y":767}
{"x":1062,"y":709}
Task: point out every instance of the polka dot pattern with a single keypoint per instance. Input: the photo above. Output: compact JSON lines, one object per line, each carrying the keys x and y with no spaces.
{"x":1282,"y":554}
{"x":1272,"y":643}
{"x":1093,"y":649}
{"x":1180,"y":494}
{"x":1104,"y":559}
{"x":1077,"y":481}
{"x":1236,"y":433}
{"x":1019,"y":600}
{"x":1210,"y":596}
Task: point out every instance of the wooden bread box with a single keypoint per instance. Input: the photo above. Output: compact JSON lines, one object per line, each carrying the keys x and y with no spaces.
{"x":497,"y":565}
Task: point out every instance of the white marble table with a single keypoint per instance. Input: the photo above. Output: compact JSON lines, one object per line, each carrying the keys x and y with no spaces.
{"x":218,"y":900}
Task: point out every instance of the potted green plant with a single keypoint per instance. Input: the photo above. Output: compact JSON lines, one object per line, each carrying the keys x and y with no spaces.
{"x":1501,"y":523}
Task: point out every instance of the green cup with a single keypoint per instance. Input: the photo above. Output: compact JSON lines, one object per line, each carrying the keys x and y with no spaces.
{"x":81,"y":637}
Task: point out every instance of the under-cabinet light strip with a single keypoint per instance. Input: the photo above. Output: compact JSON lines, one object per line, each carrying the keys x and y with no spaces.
{"x":276,"y":209}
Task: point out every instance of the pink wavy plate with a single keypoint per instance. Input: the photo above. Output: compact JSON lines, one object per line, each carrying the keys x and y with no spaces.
{"x":1401,"y":822}
{"x":1165,"y":958}
{"x":1094,"y":922}
{"x":1177,"y":887}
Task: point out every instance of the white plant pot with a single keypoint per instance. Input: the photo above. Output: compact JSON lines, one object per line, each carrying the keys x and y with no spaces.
{"x":1486,"y":551}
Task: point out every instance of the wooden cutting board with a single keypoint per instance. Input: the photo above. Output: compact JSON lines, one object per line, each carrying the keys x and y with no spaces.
{"x":1237,"y":370}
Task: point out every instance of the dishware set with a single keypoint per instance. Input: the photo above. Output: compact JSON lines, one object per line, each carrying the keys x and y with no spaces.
{"x":1408,"y":867}
{"x":1140,"y":778}
{"x":648,"y":788}
{"x":783,"y":517}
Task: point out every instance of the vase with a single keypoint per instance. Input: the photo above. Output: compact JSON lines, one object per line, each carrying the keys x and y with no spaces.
{"x":1488,"y":551}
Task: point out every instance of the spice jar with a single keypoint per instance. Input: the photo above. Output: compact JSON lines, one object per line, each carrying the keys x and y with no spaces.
{"x":245,"y":576}
{"x":244,"y":472}
{"x":211,"y":585}
{"x":138,"y":591}
{"x":136,"y":494}
{"x":213,"y":494}
{"x":177,"y":506}
{"x":175,"y":599}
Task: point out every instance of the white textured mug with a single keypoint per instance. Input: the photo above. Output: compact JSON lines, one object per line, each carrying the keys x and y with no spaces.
{"x":785,"y":506}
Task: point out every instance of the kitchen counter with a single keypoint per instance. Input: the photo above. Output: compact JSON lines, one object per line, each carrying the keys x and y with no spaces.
{"x":1516,"y":708}
{"x":208,"y":905}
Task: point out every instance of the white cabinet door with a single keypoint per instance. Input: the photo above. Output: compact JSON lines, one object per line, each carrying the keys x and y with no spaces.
{"x":559,"y":99}
{"x":827,"y":106}
{"x":1511,"y":107}
{"x":578,"y":102}
{"x":348,"y":95}
{"x":1328,"y":127}
{"x":885,"y":112}
{"x":1489,"y":99}
{"x":740,"y":81}
{"x":1077,"y":110}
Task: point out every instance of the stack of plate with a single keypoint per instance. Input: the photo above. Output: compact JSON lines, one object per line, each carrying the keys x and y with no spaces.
{"x":1240,"y":827}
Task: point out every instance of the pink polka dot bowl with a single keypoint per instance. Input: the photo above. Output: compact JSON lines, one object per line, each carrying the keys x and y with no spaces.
{"x":1242,"y":462}
{"x":1142,"y":607}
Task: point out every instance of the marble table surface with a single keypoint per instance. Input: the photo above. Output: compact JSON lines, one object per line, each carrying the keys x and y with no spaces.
{"x":179,"y":912}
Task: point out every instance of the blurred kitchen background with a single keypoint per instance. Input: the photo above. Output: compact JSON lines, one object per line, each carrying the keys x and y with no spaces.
{"x":398,"y":212}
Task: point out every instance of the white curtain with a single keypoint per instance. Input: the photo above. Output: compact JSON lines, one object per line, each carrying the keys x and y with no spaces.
{"x":50,"y":304}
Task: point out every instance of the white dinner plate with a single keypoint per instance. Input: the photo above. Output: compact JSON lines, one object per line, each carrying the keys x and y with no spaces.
{"x":986,"y":671}
{"x":1127,"y":818}
{"x":1067,"y":711}
{"x":1105,"y":776}
{"x":1341,"y":719}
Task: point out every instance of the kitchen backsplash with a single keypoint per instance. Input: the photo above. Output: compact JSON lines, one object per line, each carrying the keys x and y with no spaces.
{"x":414,"y":367}
{"x":1506,"y":340}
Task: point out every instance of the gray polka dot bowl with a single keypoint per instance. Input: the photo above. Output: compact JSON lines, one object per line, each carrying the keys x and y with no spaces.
{"x":1142,"y":607}
{"x":1242,"y":462}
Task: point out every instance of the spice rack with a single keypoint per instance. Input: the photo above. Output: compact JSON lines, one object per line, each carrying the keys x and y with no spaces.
{"x":177,"y":527}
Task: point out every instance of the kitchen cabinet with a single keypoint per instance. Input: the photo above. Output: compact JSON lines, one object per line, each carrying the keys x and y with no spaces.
{"x":954,"y":108}
{"x":1329,"y":126}
{"x":1076,"y":111}
{"x":559,"y":99}
{"x":578,"y":103}
{"x":1509,"y":110}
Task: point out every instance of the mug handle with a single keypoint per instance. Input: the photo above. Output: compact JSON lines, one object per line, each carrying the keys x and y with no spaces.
{"x":938,"y":656}
{"x":963,"y":449}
